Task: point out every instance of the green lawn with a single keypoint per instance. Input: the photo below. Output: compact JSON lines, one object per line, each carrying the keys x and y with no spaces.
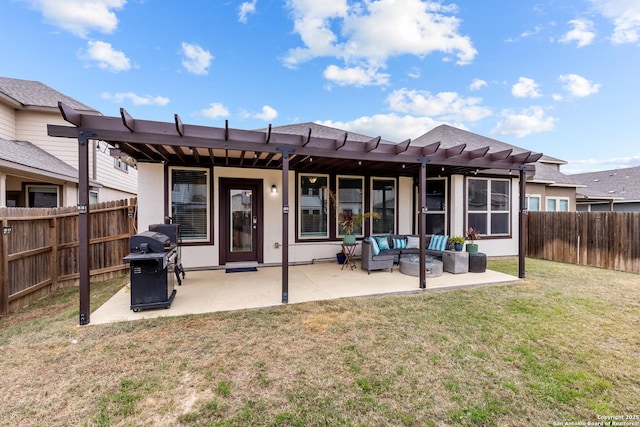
{"x":561,"y":346}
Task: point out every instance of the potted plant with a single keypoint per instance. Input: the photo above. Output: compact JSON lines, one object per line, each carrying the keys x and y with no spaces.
{"x":472,"y":235}
{"x":348,"y":221}
{"x":457,"y":242}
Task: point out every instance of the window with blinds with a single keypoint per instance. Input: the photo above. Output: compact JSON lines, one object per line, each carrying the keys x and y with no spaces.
{"x":190,"y":203}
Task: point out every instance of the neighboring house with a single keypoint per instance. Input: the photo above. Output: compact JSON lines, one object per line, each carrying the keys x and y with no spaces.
{"x":37,"y":170}
{"x":549,"y":189}
{"x":616,"y":190}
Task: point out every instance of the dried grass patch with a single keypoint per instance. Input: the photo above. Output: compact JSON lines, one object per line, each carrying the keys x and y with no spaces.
{"x":561,"y":346}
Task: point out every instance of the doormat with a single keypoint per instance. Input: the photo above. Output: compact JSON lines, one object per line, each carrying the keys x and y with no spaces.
{"x":240,"y":267}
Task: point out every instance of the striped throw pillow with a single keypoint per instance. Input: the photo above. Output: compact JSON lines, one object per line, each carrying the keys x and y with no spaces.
{"x":438,"y":243}
{"x":374,"y":246}
{"x":399,"y":243}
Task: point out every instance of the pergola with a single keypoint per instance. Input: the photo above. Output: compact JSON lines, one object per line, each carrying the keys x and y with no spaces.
{"x":182,"y":144}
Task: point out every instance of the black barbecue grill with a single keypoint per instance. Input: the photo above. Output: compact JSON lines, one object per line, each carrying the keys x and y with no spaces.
{"x":153,"y":259}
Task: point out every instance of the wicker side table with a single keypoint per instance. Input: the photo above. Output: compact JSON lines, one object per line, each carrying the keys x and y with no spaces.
{"x":477,"y":262}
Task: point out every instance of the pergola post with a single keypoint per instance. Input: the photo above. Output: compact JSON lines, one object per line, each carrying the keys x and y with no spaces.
{"x":521,"y":223}
{"x":285,"y":223}
{"x":83,"y":227}
{"x":422,"y":221}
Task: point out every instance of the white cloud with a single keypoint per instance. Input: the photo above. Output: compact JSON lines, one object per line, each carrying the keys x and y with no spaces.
{"x":536,"y":30}
{"x":371,"y":32}
{"x":578,"y":86}
{"x":477,"y":84}
{"x":356,"y":76}
{"x":625,"y":15}
{"x":107,"y":57}
{"x":391,"y":127}
{"x":525,"y":88}
{"x":135,"y":99}
{"x":414,"y":73}
{"x":246,"y":8}
{"x":582,"y":33}
{"x":196,"y":59}
{"x":445,"y":106}
{"x":215,"y":110}
{"x":80,"y":16}
{"x":528,"y":121}
{"x":268,"y":113}
{"x":593,"y":165}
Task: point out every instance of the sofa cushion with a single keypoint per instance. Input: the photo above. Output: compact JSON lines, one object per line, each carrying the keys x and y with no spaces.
{"x":383,"y":243}
{"x":413,"y":242}
{"x":438,"y":243}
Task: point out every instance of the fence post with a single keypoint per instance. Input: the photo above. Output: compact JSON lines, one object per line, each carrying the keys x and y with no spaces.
{"x":4,"y":277}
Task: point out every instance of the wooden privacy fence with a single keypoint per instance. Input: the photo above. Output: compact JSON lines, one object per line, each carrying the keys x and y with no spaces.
{"x":600,"y":239}
{"x":39,"y":248}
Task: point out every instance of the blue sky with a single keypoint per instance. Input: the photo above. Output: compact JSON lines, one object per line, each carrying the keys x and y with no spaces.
{"x":552,"y":76}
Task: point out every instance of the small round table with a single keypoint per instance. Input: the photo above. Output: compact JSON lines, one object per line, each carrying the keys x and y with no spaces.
{"x":410,"y":265}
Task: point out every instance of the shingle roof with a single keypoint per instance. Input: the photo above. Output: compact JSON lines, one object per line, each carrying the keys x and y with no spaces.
{"x":449,"y":136}
{"x":615,"y":183}
{"x":30,"y":93}
{"x":550,"y":174}
{"x":33,"y":157}
{"x":321,"y":131}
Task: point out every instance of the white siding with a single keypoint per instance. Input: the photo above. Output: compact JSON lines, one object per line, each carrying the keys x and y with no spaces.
{"x":32,"y":126}
{"x":7,"y":122}
{"x":113,"y":178}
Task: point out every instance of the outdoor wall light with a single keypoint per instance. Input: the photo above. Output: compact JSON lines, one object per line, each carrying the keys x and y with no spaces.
{"x":6,"y":229}
{"x":274,"y":189}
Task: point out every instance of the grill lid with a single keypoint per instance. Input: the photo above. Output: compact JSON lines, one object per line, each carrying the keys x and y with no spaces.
{"x":149,"y":241}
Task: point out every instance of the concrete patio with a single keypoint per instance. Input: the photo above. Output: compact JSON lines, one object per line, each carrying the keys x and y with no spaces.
{"x":214,"y":290}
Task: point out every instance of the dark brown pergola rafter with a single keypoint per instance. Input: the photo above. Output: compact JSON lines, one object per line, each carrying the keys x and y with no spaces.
{"x":151,"y":141}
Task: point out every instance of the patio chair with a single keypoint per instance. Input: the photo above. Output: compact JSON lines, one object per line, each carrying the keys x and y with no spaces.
{"x":374,"y":262}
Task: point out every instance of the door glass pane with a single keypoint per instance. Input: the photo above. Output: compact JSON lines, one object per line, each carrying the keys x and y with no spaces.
{"x":241,"y":220}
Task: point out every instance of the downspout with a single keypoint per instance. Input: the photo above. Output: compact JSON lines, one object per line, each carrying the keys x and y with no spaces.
{"x":521,"y":223}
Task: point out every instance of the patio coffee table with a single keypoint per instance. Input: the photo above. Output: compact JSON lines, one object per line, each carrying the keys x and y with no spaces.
{"x":410,"y":265}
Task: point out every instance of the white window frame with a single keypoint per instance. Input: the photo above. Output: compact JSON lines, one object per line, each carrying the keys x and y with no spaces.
{"x":489,"y":211}
{"x":528,"y":198}
{"x":557,"y":201}
{"x":120,"y":165}
{"x":207,"y":172}
{"x":395,"y":204}
{"x":338,"y":202}
{"x":327,"y":206}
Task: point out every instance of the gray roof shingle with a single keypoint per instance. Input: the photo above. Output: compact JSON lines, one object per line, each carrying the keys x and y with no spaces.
{"x":616,"y":183}
{"x":30,"y":93}
{"x":26,"y":154}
